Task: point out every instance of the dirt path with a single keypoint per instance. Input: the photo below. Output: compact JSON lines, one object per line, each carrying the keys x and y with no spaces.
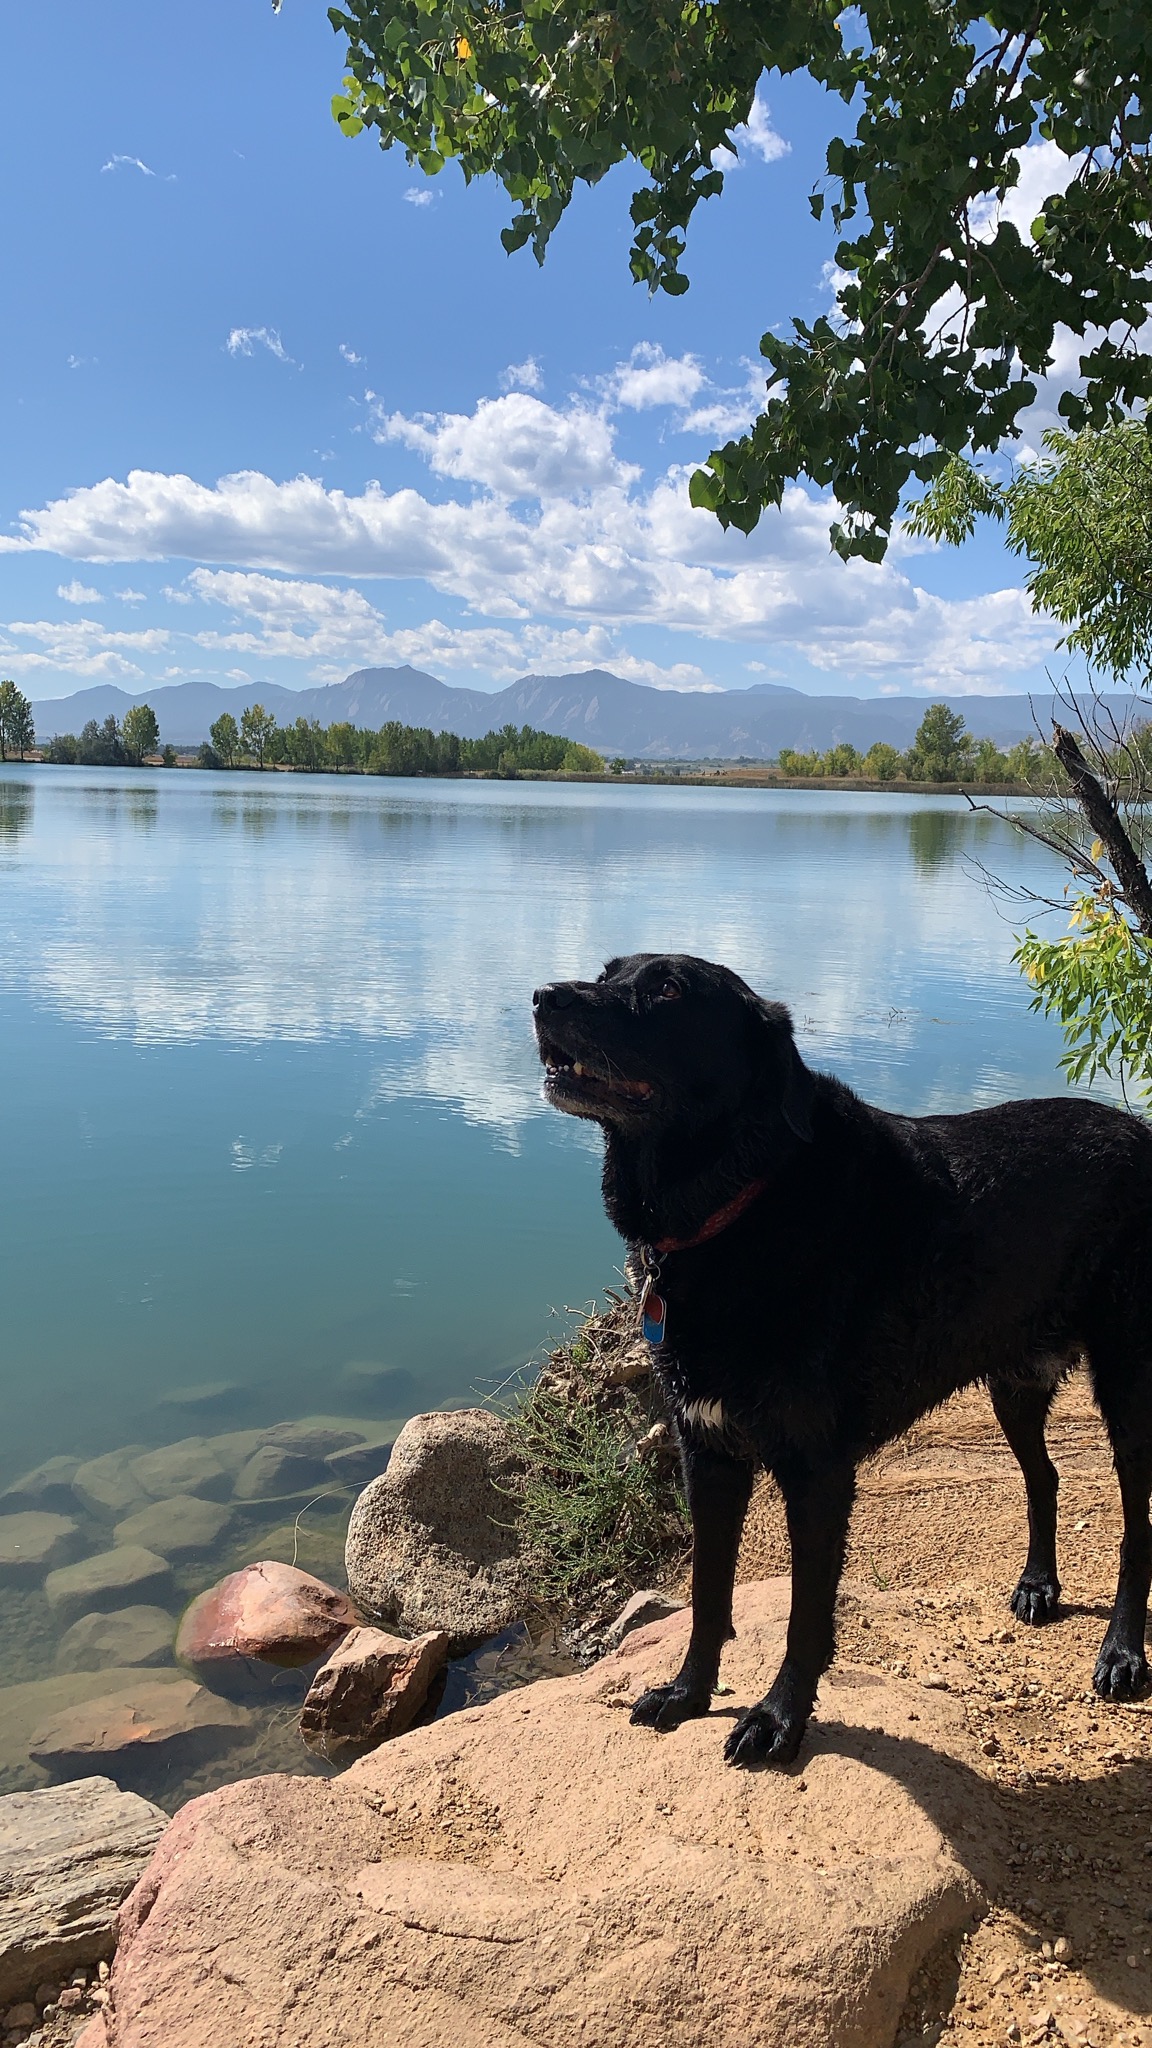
{"x":938,"y":1539}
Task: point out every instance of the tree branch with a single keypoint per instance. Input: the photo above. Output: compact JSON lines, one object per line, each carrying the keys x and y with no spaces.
{"x":1104,"y":820}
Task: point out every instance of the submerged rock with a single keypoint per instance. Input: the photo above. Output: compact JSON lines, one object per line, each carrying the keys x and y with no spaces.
{"x":143,"y":1720}
{"x":362,"y":1461}
{"x":432,"y":1542}
{"x":313,"y":1436}
{"x":180,"y":1527}
{"x":190,"y":1466}
{"x":207,"y":1397}
{"x":48,"y":1486}
{"x":372,"y":1687}
{"x":559,"y":1876}
{"x":107,"y":1580}
{"x":108,"y":1485}
{"x":32,"y":1541}
{"x":272,"y":1472}
{"x":68,"y":1856}
{"x":129,"y":1635}
{"x":269,"y":1611}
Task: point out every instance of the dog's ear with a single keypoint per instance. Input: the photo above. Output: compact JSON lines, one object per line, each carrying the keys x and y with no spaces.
{"x":792,"y":1077}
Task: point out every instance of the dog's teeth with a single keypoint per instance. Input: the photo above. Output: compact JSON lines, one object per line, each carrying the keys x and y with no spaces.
{"x":577,"y":1068}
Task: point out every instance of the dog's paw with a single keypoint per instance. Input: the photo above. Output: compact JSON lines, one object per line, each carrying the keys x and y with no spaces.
{"x":666,"y":1706}
{"x":1121,"y":1673}
{"x":761,"y":1736}
{"x":1036,"y":1599}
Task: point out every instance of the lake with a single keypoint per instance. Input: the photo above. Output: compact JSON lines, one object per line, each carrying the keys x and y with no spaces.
{"x":272,"y":1113}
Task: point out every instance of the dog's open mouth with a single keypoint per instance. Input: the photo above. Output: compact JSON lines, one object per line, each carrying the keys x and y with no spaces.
{"x":579,"y":1083}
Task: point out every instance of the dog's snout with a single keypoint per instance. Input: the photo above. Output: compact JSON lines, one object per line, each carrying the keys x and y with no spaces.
{"x":555,"y":995}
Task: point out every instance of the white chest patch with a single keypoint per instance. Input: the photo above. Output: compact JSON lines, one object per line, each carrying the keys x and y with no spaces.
{"x":704,"y":1414}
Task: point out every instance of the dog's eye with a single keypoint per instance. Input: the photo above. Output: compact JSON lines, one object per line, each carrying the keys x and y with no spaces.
{"x":670,"y":993}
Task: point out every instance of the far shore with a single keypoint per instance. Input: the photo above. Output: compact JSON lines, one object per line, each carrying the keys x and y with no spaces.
{"x":725,"y":775}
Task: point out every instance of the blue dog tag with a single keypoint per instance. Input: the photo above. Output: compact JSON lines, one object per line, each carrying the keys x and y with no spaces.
{"x":653,"y":1315}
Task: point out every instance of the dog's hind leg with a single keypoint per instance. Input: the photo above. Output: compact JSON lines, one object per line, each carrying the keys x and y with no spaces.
{"x":1122,"y":1666}
{"x":818,"y":1501}
{"x":719,"y":1488}
{"x":1021,"y":1411}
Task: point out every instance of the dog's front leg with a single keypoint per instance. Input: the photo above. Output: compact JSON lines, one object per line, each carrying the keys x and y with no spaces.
{"x":818,"y":1501}
{"x":719,"y":1488}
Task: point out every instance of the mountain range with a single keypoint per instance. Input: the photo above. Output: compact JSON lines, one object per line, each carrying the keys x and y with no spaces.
{"x":603,"y":710}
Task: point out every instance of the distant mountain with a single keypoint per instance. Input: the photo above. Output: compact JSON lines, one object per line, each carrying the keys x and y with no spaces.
{"x":595,"y":706}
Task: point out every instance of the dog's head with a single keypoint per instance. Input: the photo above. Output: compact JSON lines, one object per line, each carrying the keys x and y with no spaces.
{"x":663,"y":1042}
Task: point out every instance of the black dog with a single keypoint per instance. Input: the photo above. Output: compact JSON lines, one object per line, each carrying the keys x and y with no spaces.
{"x":821,"y":1273}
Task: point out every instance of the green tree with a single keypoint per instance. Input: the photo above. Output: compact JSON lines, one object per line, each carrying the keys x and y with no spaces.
{"x":342,"y":745}
{"x":618,"y":765}
{"x":843,"y":759}
{"x":1083,"y":517}
{"x":140,"y":732}
{"x":101,"y":746}
{"x":942,"y":748}
{"x":224,"y":734}
{"x":581,"y":760}
{"x":881,"y":762}
{"x":988,"y":763}
{"x":257,"y":728}
{"x":17,"y":732}
{"x":791,"y":761}
{"x":946,"y":312}
{"x":168,"y":755}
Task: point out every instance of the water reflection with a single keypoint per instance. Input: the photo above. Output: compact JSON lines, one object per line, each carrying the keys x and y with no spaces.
{"x":16,"y":806}
{"x":419,"y":917}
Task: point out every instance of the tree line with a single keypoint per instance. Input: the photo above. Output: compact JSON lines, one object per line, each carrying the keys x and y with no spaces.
{"x":258,"y":741}
{"x":116,"y":743}
{"x":943,"y":751}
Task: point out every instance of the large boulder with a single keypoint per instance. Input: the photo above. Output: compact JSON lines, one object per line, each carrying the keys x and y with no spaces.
{"x":48,"y":1486}
{"x":268,"y":1611}
{"x":108,"y":1485}
{"x":190,"y":1466}
{"x":68,"y":1856}
{"x":538,"y":1870}
{"x":432,"y":1542}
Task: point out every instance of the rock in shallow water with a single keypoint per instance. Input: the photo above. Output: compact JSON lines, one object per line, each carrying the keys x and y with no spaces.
{"x":49,"y":1486}
{"x":129,"y":1635}
{"x":273,"y":1472}
{"x":110,"y":1579}
{"x":269,"y":1611}
{"x":430,"y":1544}
{"x":190,"y":1466}
{"x":68,"y":1856}
{"x":31,"y":1542}
{"x":371,"y":1688}
{"x":108,"y":1485}
{"x":182,"y":1527}
{"x":144,"y":1719}
{"x":585,"y":1881}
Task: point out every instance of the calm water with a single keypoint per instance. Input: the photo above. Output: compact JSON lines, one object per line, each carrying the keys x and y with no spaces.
{"x":271,"y":1109}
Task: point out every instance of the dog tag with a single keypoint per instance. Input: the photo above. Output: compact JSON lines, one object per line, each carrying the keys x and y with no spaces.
{"x":653,"y":1315}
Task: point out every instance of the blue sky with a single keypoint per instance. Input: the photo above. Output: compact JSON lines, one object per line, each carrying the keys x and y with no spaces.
{"x":275,"y":406}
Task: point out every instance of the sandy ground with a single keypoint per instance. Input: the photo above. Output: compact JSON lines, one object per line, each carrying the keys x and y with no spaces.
{"x":938,"y":1539}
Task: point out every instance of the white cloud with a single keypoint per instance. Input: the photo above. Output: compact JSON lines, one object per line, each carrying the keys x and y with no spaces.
{"x":130,"y":596}
{"x":419,"y":195}
{"x":241,"y":342}
{"x":349,"y":354}
{"x":78,"y":593}
{"x":134,"y":163}
{"x":649,"y":378}
{"x":80,"y":647}
{"x":515,"y":446}
{"x":587,"y":552}
{"x":758,"y":137}
{"x":525,"y":376}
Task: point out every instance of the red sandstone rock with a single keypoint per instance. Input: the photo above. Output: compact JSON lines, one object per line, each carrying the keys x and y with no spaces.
{"x":144,"y":1719}
{"x":372,"y":1687}
{"x":539,"y":1871}
{"x":270,"y":1611}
